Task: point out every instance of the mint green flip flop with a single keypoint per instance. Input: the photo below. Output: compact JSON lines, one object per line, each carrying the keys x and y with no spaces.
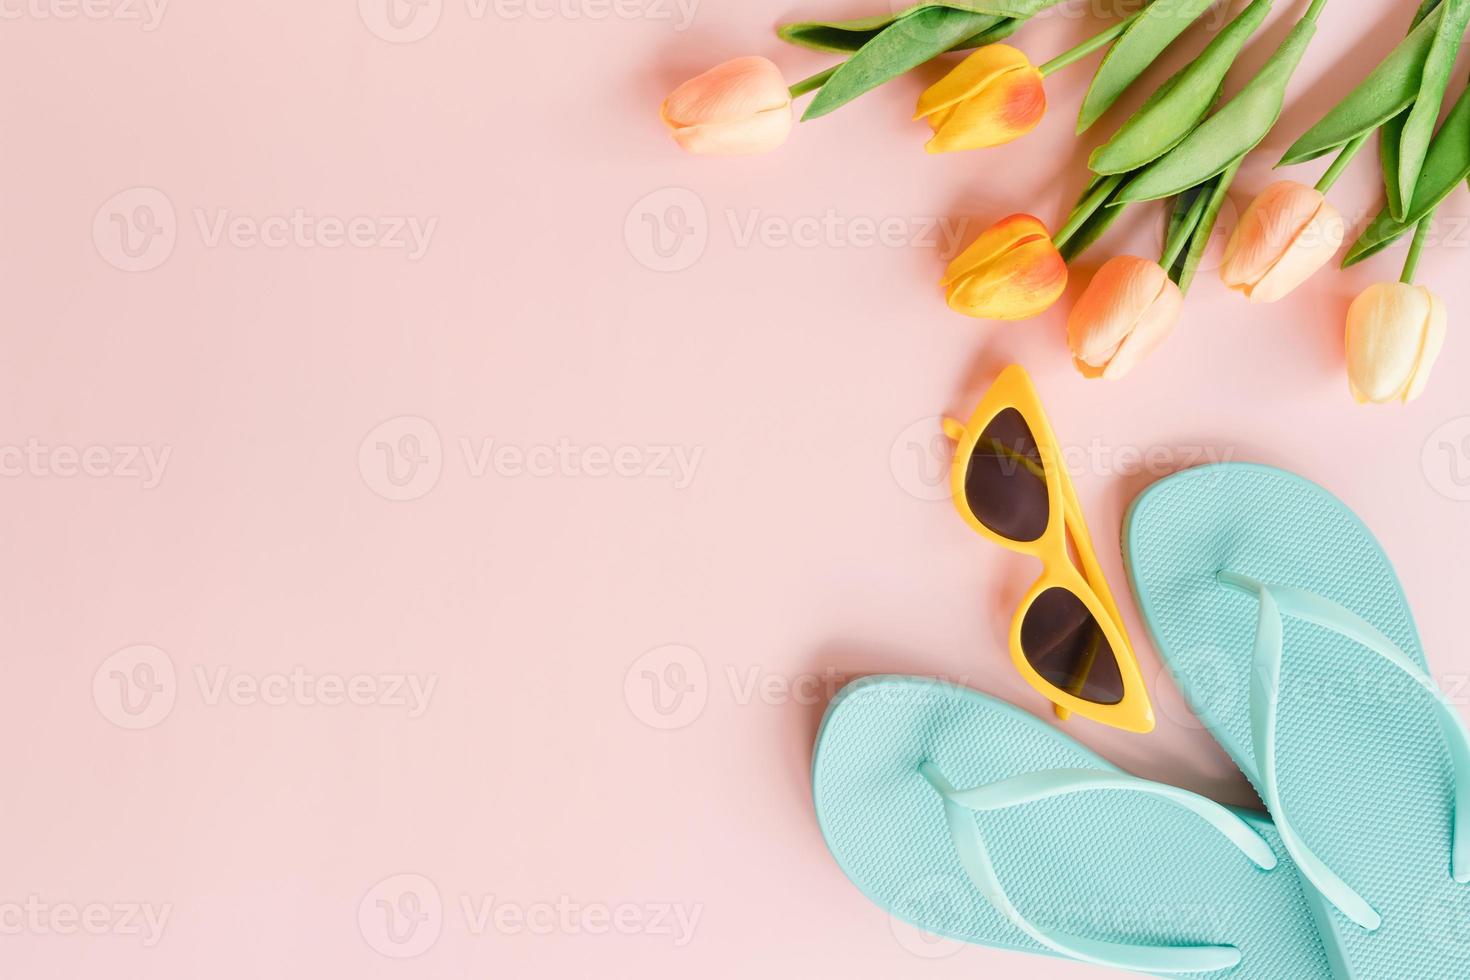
{"x":1282,"y":620}
{"x":972,"y":820}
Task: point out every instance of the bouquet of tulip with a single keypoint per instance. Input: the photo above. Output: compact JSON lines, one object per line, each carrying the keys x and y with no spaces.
{"x":1395,"y":330}
{"x":1183,"y":146}
{"x":1176,"y":148}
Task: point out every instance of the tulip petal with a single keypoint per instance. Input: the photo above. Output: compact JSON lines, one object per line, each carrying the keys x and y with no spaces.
{"x":1152,"y":329}
{"x":740,"y":106}
{"x":1000,"y":237}
{"x":1287,"y":234}
{"x":971,"y":75}
{"x":759,"y":133}
{"x":1112,"y":307}
{"x":1021,"y":283}
{"x":1389,"y":329}
{"x":1434,"y":334}
{"x":1011,"y":106}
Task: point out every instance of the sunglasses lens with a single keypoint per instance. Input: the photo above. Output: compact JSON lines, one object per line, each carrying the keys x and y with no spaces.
{"x":1067,"y":647}
{"x":1005,"y":484}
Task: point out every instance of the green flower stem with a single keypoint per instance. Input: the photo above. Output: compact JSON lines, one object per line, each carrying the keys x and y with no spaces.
{"x":1200,"y":240}
{"x":1349,"y":150}
{"x":1087,"y":208}
{"x":1416,"y":250}
{"x":1185,"y":232}
{"x":1315,"y":9}
{"x":814,"y":82}
{"x":1090,"y":45}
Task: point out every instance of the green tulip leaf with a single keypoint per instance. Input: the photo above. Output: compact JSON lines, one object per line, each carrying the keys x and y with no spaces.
{"x":1387,"y":91}
{"x":901,"y":46}
{"x":1419,"y":126}
{"x":1145,"y":39}
{"x":1230,"y":133}
{"x":1391,"y":136}
{"x":1180,"y":103}
{"x":1446,"y":164}
{"x":846,"y":36}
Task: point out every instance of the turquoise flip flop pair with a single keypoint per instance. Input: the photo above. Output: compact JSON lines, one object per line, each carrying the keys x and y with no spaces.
{"x":1281,"y":617}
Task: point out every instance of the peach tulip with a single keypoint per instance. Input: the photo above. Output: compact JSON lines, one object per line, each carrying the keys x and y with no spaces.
{"x":1287,"y":234}
{"x":1394,"y":334}
{"x":740,"y":106}
{"x":1011,"y":272}
{"x":992,"y":97}
{"x":1127,"y":311}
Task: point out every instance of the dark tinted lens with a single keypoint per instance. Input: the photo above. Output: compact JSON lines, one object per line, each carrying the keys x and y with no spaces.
{"x":1005,"y":484}
{"x":1066,"y":646}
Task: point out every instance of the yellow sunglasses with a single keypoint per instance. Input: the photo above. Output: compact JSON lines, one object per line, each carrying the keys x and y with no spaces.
{"x":1067,"y":638}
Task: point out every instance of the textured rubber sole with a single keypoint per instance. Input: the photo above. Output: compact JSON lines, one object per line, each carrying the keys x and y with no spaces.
{"x":1110,"y":865}
{"x":1363,"y":769}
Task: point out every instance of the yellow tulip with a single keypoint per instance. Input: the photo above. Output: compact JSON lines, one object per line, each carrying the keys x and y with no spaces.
{"x":1126,"y":312}
{"x":1394,"y":334}
{"x":992,"y":97}
{"x":1287,"y":234}
{"x":1011,"y":272}
{"x":740,"y":106}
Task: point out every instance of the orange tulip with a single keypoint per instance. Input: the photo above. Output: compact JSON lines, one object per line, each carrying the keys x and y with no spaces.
{"x":992,"y":97}
{"x":1287,"y":234}
{"x":1011,"y":272}
{"x":1128,"y":310}
{"x":740,"y":106}
{"x":1394,"y":334}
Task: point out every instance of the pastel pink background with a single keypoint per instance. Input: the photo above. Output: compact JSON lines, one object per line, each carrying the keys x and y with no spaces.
{"x":807,"y":548}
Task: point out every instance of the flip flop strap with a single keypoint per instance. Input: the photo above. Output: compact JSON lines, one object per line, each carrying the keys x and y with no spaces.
{"x":960,"y":807}
{"x":1277,"y":601}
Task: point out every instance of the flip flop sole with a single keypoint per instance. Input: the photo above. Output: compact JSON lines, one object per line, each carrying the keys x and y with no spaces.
{"x":1363,"y":768}
{"x":1109,"y":865}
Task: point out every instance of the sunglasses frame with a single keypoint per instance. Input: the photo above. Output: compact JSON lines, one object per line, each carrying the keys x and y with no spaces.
{"x":1014,"y":390}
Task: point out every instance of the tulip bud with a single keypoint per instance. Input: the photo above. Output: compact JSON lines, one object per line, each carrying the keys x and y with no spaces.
{"x":740,"y":106}
{"x":1394,"y":334}
{"x":992,"y":97}
{"x":1287,"y":234}
{"x":1129,"y":309}
{"x":1011,"y":272}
